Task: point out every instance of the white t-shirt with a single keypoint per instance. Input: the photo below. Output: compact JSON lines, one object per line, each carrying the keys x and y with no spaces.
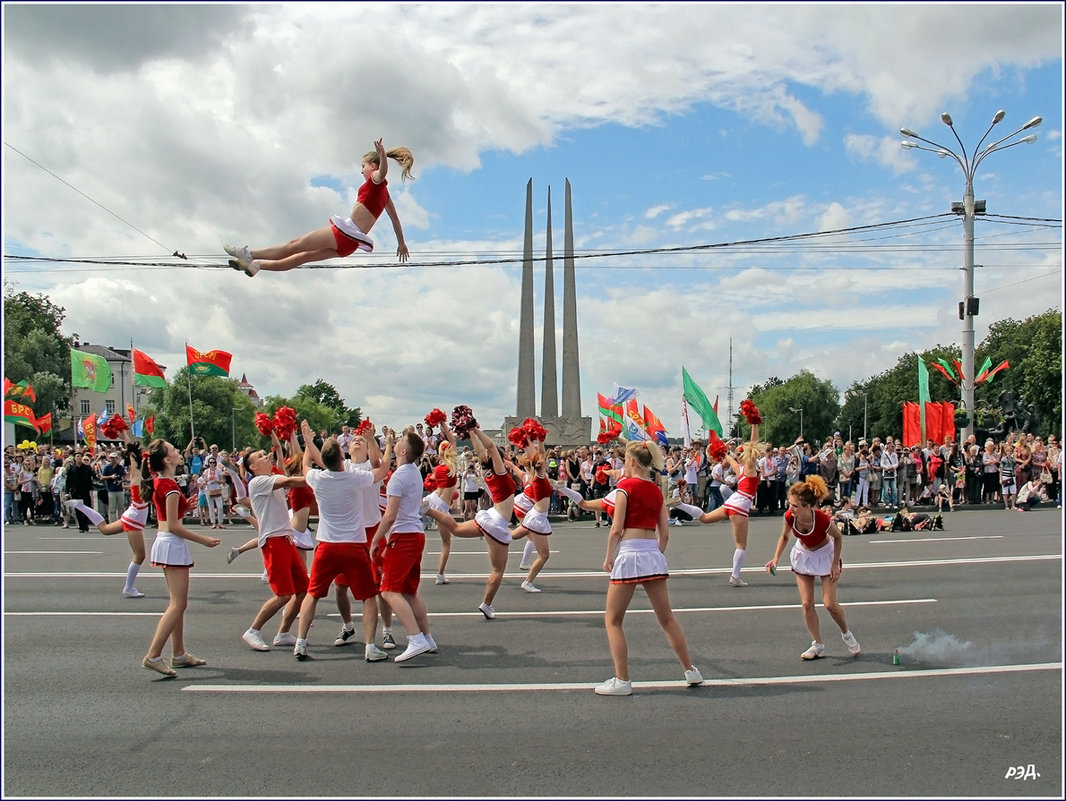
{"x":271,"y":508}
{"x":406,"y":484}
{"x":340,"y":503}
{"x":371,"y":509}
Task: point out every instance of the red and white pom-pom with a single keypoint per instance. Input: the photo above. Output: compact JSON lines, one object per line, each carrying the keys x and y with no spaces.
{"x":716,"y":449}
{"x":517,"y":437}
{"x":263,"y":424}
{"x":435,"y":418}
{"x":285,"y":422}
{"x":111,"y":429}
{"x":750,"y":412}
{"x":363,"y":428}
{"x":463,"y":421}
{"x":533,"y":430}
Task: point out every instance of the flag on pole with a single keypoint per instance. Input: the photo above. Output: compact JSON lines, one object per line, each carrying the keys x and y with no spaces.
{"x":22,"y":390}
{"x":19,"y":414}
{"x":130,"y":413}
{"x":686,"y":434}
{"x":149,"y":424}
{"x":622,"y":394}
{"x":88,"y":426}
{"x":634,"y":421}
{"x":137,"y":428}
{"x":611,"y":411}
{"x":923,"y":394}
{"x":89,"y":371}
{"x":44,"y":424}
{"x":944,"y":367}
{"x":656,"y":430}
{"x":146,"y":372}
{"x":695,"y":397}
{"x":987,"y":376}
{"x":213,"y":362}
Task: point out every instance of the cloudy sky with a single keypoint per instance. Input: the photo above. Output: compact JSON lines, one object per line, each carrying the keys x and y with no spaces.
{"x":131,"y":132}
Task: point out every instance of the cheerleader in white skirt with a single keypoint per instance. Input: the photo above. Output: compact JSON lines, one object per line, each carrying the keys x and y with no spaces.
{"x":636,"y":549}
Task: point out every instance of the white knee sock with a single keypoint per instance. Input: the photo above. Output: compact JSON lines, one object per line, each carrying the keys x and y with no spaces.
{"x":573,"y":495}
{"x":94,"y":516}
{"x":131,"y":575}
{"x":738,"y":561}
{"x":528,"y":552}
{"x":693,"y":512}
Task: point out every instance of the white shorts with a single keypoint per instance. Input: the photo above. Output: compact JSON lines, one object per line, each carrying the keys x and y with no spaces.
{"x":436,"y":502}
{"x":739,"y":503}
{"x":170,"y":550}
{"x":537,"y":522}
{"x":523,"y":504}
{"x":637,"y":561}
{"x":812,"y":563}
{"x":135,"y":517}
{"x":492,"y":523}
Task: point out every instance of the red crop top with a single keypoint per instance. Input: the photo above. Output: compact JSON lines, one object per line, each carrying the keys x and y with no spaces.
{"x":374,"y":197}
{"x":644,"y":501}
{"x":161,"y":489}
{"x":816,"y":537}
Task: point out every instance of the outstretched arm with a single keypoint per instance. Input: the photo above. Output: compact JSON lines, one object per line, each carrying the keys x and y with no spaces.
{"x":401,"y":246}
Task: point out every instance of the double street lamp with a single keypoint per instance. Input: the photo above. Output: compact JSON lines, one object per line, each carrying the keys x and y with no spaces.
{"x":800,"y":410}
{"x":968,"y":208}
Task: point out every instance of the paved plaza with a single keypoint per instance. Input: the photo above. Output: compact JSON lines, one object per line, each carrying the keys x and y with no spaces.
{"x":506,"y":708}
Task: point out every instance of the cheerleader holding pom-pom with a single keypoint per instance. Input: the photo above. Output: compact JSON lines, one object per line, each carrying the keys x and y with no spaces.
{"x":737,"y":506}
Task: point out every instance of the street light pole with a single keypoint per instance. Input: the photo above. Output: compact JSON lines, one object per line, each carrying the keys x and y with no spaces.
{"x":800,"y":410}
{"x":969,"y":208}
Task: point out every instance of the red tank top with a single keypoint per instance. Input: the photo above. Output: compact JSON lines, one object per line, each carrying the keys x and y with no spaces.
{"x":538,"y":489}
{"x":301,"y":498}
{"x":644,"y":500}
{"x":817,"y":536}
{"x":501,"y":487}
{"x":374,"y":197}
{"x":162,"y":487}
{"x":442,"y":479}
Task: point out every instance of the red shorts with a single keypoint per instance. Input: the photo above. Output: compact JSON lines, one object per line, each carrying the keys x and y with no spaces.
{"x":341,"y":581}
{"x":347,"y":244}
{"x":285,"y":569}
{"x":403,"y":563}
{"x":351,"y":560}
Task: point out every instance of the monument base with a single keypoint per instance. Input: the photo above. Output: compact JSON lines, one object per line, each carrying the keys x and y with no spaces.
{"x":566,"y":432}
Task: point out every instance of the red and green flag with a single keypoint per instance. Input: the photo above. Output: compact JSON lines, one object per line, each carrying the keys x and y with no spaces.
{"x":986,"y":375}
{"x":213,"y":362}
{"x":19,"y":414}
{"x":22,"y":390}
{"x":89,"y":370}
{"x":44,"y":424}
{"x":146,"y":372}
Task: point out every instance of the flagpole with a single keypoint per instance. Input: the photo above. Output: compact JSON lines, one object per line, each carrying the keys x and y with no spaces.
{"x":133,"y":382}
{"x":188,"y":380}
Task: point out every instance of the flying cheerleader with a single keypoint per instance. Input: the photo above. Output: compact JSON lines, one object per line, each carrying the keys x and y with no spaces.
{"x":343,"y":236}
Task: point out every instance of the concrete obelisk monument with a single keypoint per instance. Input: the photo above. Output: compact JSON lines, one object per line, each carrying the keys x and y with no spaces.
{"x":569,"y":429}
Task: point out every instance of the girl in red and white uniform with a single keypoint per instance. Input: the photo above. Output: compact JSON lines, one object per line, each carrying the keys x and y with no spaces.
{"x":170,"y":551}
{"x":738,"y":504}
{"x":132,"y":521}
{"x":816,"y":553}
{"x":531,"y":507}
{"x":636,"y":554}
{"x":341,"y":237}
{"x":493,"y":524}
{"x":444,"y":479}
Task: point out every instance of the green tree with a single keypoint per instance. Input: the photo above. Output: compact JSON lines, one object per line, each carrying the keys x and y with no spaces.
{"x":818,"y":399}
{"x":35,"y":351}
{"x":320,"y":416}
{"x":221,"y":413}
{"x":326,"y":395}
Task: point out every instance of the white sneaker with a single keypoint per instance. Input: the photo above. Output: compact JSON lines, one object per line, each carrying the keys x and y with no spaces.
{"x":233,"y":554}
{"x":614,"y":686}
{"x":133,"y":592}
{"x":693,"y":677}
{"x":528,"y":587}
{"x":851,"y":642}
{"x":816,"y":651}
{"x":255,"y":641}
{"x":415,"y":645}
{"x":243,"y":255}
{"x":441,"y":579}
{"x":735,"y":582}
{"x":249,"y":269}
{"x":524,"y":566}
{"x":374,"y":654}
{"x":284,"y":639}
{"x":487,"y":611}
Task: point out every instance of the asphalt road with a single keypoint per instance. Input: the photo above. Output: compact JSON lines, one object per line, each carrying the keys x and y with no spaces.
{"x":506,"y":709}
